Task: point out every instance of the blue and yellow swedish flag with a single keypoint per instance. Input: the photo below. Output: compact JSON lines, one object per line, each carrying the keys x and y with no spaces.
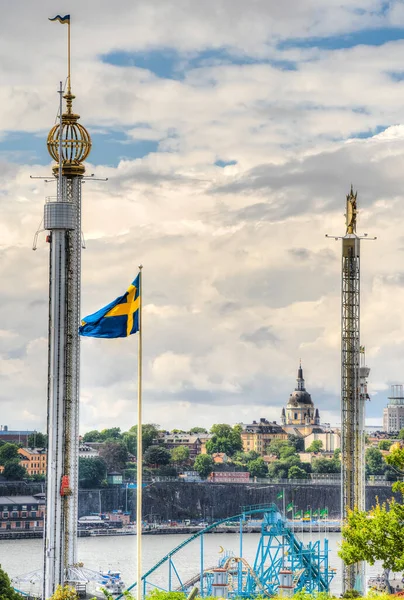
{"x":120,"y":318}
{"x":63,"y":20}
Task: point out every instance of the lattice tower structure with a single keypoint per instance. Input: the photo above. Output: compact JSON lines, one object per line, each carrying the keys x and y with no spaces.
{"x":69,"y":145}
{"x":352,"y":407}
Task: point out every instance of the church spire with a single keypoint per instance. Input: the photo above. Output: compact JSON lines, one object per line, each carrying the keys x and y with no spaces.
{"x":300,"y":378}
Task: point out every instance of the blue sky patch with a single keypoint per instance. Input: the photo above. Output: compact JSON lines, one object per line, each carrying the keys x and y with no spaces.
{"x":225,"y":163}
{"x":108,"y":149}
{"x":365,"y":37}
{"x":170,"y":64}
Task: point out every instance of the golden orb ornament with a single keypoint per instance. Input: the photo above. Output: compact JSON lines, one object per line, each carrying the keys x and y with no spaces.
{"x":76,"y":143}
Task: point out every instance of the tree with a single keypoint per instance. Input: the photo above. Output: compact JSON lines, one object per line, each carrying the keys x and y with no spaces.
{"x":385,"y":444}
{"x":297,"y":442}
{"x":401,"y":434}
{"x":157,"y":455}
{"x":13,"y":471}
{"x":374,"y":462}
{"x":92,"y":471}
{"x":150,"y":433}
{"x":379,"y":533}
{"x":315,"y":446}
{"x":113,"y":433}
{"x":204,"y":465}
{"x":37,"y":440}
{"x":196,"y":430}
{"x":286,"y":452}
{"x":297,"y":472}
{"x":92,"y":436}
{"x":224,"y":439}
{"x":275,"y":447}
{"x":177,"y":431}
{"x":180,"y":454}
{"x":65,"y":592}
{"x":6,"y":590}
{"x":258,"y":468}
{"x":324,"y":465}
{"x":242,"y":459}
{"x":8,"y":452}
{"x":115,"y":455}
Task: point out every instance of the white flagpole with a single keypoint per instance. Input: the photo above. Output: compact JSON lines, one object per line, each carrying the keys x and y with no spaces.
{"x":139,"y":459}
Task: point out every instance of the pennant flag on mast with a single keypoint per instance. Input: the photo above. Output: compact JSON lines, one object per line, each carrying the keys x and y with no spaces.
{"x":118,"y":319}
{"x":289,"y":507}
{"x":279,"y":495}
{"x":63,"y":20}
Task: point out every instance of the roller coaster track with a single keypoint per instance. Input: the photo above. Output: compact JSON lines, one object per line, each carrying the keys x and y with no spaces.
{"x":297,"y":546}
{"x":167,"y":557}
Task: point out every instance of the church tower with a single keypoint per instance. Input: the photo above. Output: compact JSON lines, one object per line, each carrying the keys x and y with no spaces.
{"x":300,"y":413}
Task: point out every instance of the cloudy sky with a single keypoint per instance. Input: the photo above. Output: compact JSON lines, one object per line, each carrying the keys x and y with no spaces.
{"x":230,"y":132}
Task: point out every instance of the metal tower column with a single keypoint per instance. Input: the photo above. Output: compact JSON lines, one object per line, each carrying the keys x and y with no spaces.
{"x":352,"y":480}
{"x":69,"y":145}
{"x":353,"y":386}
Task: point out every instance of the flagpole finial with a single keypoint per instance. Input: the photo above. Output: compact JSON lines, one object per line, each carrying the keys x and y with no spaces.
{"x":140,"y":267}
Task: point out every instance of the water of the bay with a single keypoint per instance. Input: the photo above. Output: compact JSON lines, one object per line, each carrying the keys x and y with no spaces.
{"x":119,"y":552}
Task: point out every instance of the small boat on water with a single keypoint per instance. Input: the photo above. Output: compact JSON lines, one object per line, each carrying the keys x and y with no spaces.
{"x":112,"y":582}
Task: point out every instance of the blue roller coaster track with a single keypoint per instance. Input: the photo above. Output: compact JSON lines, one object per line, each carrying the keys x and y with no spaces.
{"x":279,"y":549}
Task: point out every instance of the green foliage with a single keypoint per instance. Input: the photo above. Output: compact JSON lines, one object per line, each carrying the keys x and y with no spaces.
{"x":196,"y":430}
{"x":6,"y":590}
{"x":276,"y":446}
{"x":177,"y":431}
{"x":315,"y":446}
{"x":180,"y":454}
{"x":296,"y":472}
{"x":376,"y":535}
{"x":286,"y":452}
{"x":401,"y":434}
{"x":130,"y":474}
{"x":258,"y":468}
{"x":351,"y":594}
{"x":297,"y":442}
{"x":385,"y":444}
{"x":374,"y":462}
{"x":150,"y":433}
{"x":324,"y":465}
{"x":8,"y":452}
{"x":92,"y":472}
{"x":242,"y":459}
{"x":65,"y":592}
{"x":224,"y":439}
{"x":13,"y":471}
{"x":92,"y":436}
{"x":157,"y":455}
{"x":161,"y":595}
{"x":115,"y":455}
{"x":37,"y":440}
{"x":203,"y":465}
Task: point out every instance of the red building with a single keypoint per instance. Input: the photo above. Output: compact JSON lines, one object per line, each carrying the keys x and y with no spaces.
{"x":229,"y":477}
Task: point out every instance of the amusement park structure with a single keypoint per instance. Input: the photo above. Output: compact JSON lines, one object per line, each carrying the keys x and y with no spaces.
{"x":69,"y":145}
{"x":354,"y":374}
{"x":283,"y":564}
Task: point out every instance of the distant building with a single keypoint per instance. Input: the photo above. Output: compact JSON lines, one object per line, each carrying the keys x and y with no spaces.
{"x":114,"y":478}
{"x":87,"y":450}
{"x":331,"y":440}
{"x":22,"y":512}
{"x":393,"y":414}
{"x":14,"y":436}
{"x":118,"y":516}
{"x":34,"y":460}
{"x":300,"y":416}
{"x":173,"y":440}
{"x":229,"y":477}
{"x":257,"y":436}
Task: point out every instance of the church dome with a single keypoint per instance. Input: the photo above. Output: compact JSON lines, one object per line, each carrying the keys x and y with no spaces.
{"x":300,"y":397}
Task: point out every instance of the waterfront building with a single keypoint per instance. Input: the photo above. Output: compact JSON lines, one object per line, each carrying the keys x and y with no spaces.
{"x":300,"y":416}
{"x":33,"y":460}
{"x":393,"y":414}
{"x":88,"y":451}
{"x":229,"y":477}
{"x":22,"y":512}
{"x":14,"y":436}
{"x":258,"y":435}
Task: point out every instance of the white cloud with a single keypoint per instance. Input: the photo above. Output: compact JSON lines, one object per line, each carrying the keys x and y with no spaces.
{"x":240,"y":281}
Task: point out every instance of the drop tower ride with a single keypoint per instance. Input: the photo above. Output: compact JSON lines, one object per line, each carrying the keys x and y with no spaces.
{"x":69,"y":145}
{"x":354,"y":374}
